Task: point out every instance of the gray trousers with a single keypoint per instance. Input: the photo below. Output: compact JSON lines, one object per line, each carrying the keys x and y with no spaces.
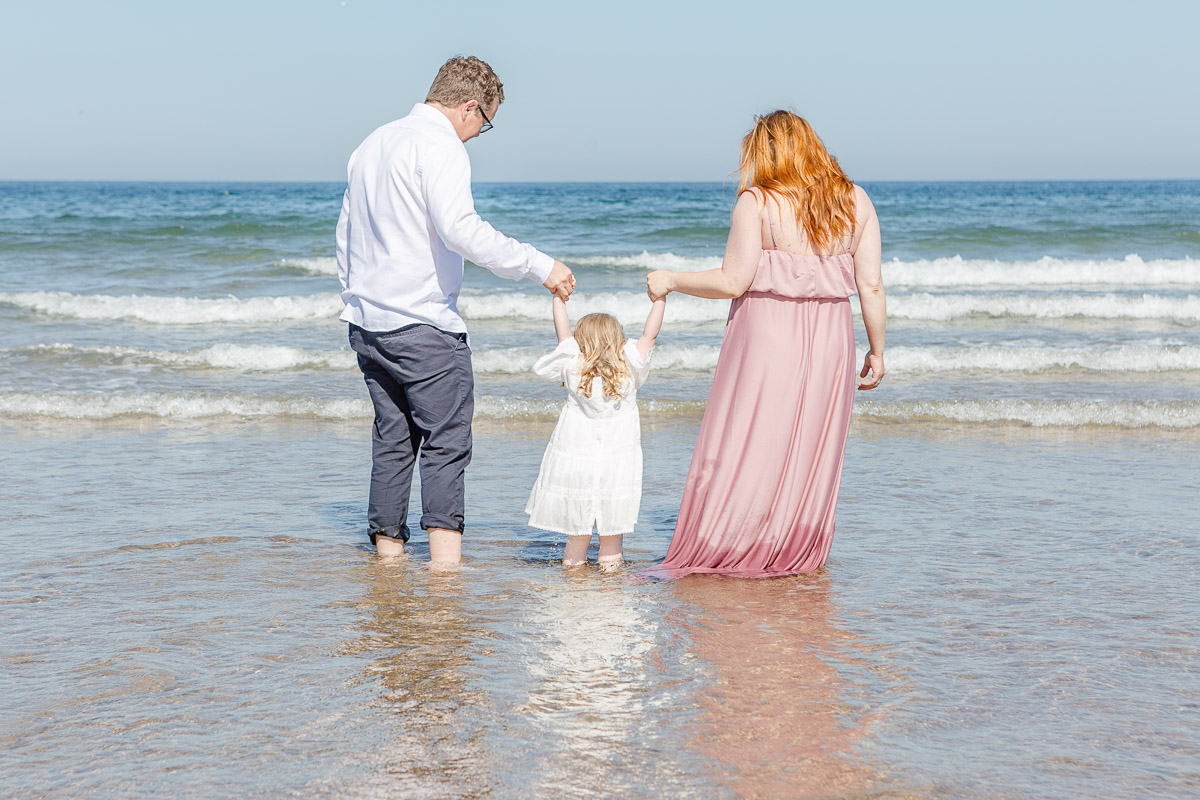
{"x":422,"y":386}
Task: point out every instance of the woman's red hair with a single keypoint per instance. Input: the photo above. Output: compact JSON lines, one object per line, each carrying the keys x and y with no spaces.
{"x":783,"y":156}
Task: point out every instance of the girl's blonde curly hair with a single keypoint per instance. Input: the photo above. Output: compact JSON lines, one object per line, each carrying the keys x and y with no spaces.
{"x":601,"y":340}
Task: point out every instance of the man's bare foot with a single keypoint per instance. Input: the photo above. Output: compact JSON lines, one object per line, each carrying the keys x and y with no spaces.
{"x":445,"y":546}
{"x":387,"y":547}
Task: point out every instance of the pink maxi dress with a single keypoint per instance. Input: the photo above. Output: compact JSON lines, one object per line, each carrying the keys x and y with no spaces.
{"x":762,"y":488}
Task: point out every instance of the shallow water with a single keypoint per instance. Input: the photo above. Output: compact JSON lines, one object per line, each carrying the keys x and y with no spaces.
{"x":191,"y":608}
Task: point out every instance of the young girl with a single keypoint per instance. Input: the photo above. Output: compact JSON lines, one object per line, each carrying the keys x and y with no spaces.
{"x":591,"y":474}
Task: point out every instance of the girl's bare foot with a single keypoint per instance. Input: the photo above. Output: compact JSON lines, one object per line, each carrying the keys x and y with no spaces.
{"x":575,"y":553}
{"x":611,"y":563}
{"x":611,"y":558}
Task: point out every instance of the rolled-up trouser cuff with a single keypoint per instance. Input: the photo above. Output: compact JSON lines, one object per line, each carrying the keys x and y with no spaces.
{"x":394,"y":531}
{"x":434,"y":521}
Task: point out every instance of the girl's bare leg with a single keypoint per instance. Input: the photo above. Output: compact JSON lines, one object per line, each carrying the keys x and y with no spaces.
{"x":575,"y":552}
{"x":611,"y":556}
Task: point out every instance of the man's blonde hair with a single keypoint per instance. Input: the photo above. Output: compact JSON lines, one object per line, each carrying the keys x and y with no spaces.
{"x":466,"y":78}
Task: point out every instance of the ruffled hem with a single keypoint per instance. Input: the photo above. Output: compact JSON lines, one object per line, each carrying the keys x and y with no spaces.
{"x":587,"y":532}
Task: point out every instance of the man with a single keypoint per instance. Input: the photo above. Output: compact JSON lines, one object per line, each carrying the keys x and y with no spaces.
{"x":408,"y":220}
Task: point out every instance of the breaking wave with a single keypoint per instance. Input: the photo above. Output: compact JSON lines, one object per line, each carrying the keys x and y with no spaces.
{"x":183,"y":406}
{"x":177,"y":310}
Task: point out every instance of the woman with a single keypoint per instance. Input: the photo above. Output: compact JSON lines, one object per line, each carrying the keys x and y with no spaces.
{"x":762,"y":488}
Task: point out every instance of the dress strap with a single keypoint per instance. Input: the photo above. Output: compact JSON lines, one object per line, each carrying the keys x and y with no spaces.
{"x":770,"y":222}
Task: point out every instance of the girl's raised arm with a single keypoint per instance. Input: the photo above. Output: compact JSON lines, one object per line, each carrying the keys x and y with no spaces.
{"x":562,"y":323}
{"x":653,"y":325}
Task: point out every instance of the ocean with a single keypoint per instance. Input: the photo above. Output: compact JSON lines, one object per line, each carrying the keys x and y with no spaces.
{"x":190,"y":605}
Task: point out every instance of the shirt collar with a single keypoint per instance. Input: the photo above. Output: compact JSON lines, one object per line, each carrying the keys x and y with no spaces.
{"x":429,"y":112}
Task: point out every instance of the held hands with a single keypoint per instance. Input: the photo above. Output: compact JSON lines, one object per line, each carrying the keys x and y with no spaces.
{"x":561,"y":281}
{"x":872,"y":364}
{"x":659,"y":284}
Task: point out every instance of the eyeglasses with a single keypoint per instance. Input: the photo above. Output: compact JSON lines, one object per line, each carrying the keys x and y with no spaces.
{"x":487,"y":123}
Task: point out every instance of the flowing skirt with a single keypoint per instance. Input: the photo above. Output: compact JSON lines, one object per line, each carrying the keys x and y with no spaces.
{"x":762,"y":488}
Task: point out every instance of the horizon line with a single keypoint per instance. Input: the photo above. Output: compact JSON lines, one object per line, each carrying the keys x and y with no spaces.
{"x":599,"y":182}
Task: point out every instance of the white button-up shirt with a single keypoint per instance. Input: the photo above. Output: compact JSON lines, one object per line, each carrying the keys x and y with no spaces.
{"x":407,"y":222}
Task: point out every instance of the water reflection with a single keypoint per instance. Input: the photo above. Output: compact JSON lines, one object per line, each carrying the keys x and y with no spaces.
{"x":775,"y":719}
{"x":591,"y":687}
{"x":418,"y":631}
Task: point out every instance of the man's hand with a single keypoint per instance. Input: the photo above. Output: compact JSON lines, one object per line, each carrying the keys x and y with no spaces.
{"x":561,"y":281}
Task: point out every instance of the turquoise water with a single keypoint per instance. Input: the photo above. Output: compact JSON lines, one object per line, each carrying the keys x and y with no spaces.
{"x":189,"y":605}
{"x":1041,"y":303}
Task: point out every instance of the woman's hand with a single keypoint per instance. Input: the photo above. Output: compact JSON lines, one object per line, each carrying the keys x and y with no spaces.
{"x":660,"y":283}
{"x":873,"y":365}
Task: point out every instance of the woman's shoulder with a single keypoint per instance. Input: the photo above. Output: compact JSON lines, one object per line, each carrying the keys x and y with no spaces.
{"x":751,"y":201}
{"x":863,"y":207}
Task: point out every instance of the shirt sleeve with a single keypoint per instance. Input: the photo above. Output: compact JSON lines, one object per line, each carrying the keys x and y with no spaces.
{"x":343,"y":240}
{"x":639,"y":368}
{"x":446,"y":183}
{"x":554,"y":366}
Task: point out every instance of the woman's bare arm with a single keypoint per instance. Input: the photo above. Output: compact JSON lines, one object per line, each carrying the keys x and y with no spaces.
{"x":562,"y":323}
{"x":742,"y":252}
{"x":868,"y":278}
{"x":653,"y":325}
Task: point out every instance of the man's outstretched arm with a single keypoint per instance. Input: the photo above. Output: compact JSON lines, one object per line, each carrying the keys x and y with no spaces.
{"x":446,"y":182}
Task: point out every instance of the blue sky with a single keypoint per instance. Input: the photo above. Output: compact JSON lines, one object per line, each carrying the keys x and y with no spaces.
{"x":603,"y":91}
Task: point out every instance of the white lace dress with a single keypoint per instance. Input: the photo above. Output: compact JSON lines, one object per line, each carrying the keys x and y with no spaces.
{"x":592,"y":471}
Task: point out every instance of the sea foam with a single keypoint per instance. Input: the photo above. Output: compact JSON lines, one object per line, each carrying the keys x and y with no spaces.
{"x":631,"y":307}
{"x":942,"y":307}
{"x":184,"y":406}
{"x":223,"y":355}
{"x":936,"y":273}
{"x":93,"y":406}
{"x":956,"y":271}
{"x":913,"y":360}
{"x":1046,"y":271}
{"x":1038,"y":414}
{"x":701,"y":358}
{"x":650,"y":261}
{"x":177,"y":310}
{"x":1128,"y":358}
{"x":321,"y":265}
{"x":518,"y":360}
{"x":188,"y":406}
